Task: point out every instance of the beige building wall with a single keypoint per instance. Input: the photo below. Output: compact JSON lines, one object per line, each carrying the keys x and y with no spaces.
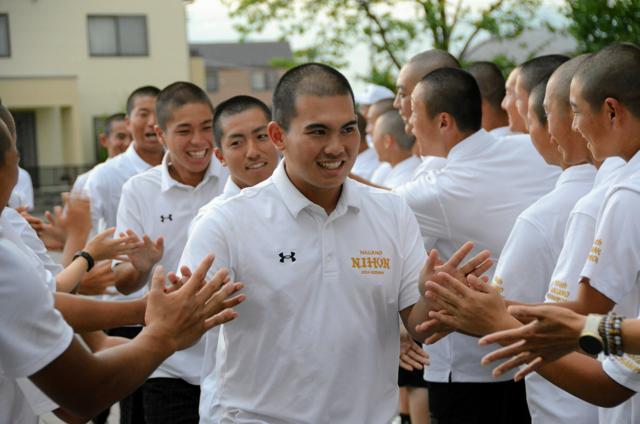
{"x":49,"y":42}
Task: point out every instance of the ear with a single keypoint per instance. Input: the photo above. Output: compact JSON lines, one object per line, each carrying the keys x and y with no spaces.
{"x":445,"y":121}
{"x":613,"y":109}
{"x":103,"y":140}
{"x":160,"y":134}
{"x":277,"y":135}
{"x":127,"y":123}
{"x":218,"y":153}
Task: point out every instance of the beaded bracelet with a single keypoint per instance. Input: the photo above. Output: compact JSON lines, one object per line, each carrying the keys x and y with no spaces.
{"x":612,"y":334}
{"x":603,"y":334}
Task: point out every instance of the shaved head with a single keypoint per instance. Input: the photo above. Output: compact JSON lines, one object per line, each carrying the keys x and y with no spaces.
{"x":428,"y":61}
{"x":391,"y":123}
{"x":560,"y":81}
{"x":490,"y":81}
{"x":535,"y":70}
{"x":611,"y":72}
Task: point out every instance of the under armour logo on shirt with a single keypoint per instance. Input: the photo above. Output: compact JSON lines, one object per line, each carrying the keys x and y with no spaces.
{"x":291,"y":257}
{"x":166,"y":218}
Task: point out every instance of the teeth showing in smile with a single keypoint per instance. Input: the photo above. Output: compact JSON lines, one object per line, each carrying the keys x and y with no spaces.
{"x":150,"y":136}
{"x":335,"y":164}
{"x":257,"y":165}
{"x":197,"y":155}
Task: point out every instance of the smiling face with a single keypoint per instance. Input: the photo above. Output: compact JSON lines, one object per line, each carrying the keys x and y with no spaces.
{"x":591,"y":124}
{"x":540,"y":136}
{"x":118,"y":139}
{"x":425,"y":128}
{"x":516,"y":122}
{"x":189,"y":139}
{"x":405,"y":84}
{"x":246,"y":148}
{"x":320,"y":145}
{"x":141,"y":123}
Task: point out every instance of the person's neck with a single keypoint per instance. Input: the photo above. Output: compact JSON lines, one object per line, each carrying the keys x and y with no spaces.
{"x":153,"y":158}
{"x":493,"y":121}
{"x":185,"y":176}
{"x":363,"y":146}
{"x":455,"y":140}
{"x":398,"y":157}
{"x":327,"y":198}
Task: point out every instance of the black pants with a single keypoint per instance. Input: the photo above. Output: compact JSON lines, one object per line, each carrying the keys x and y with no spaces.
{"x":170,"y":401}
{"x":478,"y":403}
{"x":131,"y":408}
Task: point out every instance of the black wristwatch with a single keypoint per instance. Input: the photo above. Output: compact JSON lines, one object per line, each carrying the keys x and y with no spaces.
{"x":590,"y":340}
{"x":88,"y":258}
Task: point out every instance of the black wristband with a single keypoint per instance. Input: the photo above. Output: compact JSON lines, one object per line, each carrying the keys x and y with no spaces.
{"x":87,"y":257}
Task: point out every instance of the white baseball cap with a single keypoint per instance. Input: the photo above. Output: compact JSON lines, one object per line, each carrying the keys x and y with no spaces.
{"x":374,"y":93}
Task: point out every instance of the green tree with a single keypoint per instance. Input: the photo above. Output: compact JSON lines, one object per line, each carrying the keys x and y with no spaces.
{"x":598,"y":23}
{"x":388,"y":27}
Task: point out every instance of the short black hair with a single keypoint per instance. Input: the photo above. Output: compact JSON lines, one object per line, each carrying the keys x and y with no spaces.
{"x":312,"y":79}
{"x":455,"y":92}
{"x":176,"y":95}
{"x":145,"y":91}
{"x":536,"y":96}
{"x":391,"y":123}
{"x":490,"y":81}
{"x":7,"y":118}
{"x":434,"y":59}
{"x":535,"y":70}
{"x":116,"y":117}
{"x":234,"y":106}
{"x":612,"y":72}
{"x":562,"y":79}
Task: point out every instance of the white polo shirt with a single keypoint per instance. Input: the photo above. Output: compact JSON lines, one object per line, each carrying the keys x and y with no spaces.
{"x":624,"y":370}
{"x":381,"y":173}
{"x":28,"y":341}
{"x":502,"y":132}
{"x":321,"y":290}
{"x":402,"y":173}
{"x":104,"y":186}
{"x":22,"y":193}
{"x":477,"y":196}
{"x":613,"y":268}
{"x":155,"y":204}
{"x":366,"y":164}
{"x":578,"y":238}
{"x":531,"y":252}
{"x":230,"y":190}
{"x":428,"y":164}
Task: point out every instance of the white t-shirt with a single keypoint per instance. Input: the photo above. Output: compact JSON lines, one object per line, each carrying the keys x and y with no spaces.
{"x":366,"y":164}
{"x":502,"y":132}
{"x":321,"y":290}
{"x":624,"y":370}
{"x":22,"y":193}
{"x":155,"y":204}
{"x":477,"y":196}
{"x":578,"y":238}
{"x":531,"y":252}
{"x":402,"y":172}
{"x":28,"y":341}
{"x":428,"y":164}
{"x":381,"y":173}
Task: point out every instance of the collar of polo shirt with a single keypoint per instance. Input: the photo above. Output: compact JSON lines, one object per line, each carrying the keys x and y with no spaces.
{"x":469,"y":146}
{"x":214,"y":170}
{"x":296,"y":201}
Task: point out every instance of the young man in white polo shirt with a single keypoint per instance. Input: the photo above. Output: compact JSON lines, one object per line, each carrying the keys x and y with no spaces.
{"x":243,"y":146}
{"x":394,"y":146}
{"x":160,"y":203}
{"x":329,"y":266}
{"x":477,"y":196}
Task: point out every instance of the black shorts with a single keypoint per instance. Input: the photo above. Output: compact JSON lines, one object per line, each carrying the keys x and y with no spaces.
{"x":411,"y":378}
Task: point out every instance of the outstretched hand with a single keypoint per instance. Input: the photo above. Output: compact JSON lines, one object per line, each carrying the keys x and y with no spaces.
{"x":477,"y":266}
{"x":104,"y":246}
{"x":148,"y":253}
{"x":552,"y":333}
{"x":184,"y":315}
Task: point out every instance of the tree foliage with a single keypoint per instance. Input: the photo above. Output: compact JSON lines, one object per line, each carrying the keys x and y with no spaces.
{"x":389,"y":27}
{"x":598,"y":23}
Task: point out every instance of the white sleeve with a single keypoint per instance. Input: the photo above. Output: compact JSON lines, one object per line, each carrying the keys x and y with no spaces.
{"x":614,"y":260}
{"x":33,"y":333}
{"x":98,"y":193}
{"x":624,"y":370}
{"x":208,"y":235}
{"x":423,"y":197}
{"x":414,"y":257}
{"x":565,"y":279}
{"x":129,"y":214}
{"x":525,"y":264}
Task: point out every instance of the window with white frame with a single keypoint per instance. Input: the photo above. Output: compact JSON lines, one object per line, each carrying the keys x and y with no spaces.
{"x":117,"y":35}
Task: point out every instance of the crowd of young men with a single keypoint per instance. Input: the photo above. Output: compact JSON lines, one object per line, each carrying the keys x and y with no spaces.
{"x":310,"y":249}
